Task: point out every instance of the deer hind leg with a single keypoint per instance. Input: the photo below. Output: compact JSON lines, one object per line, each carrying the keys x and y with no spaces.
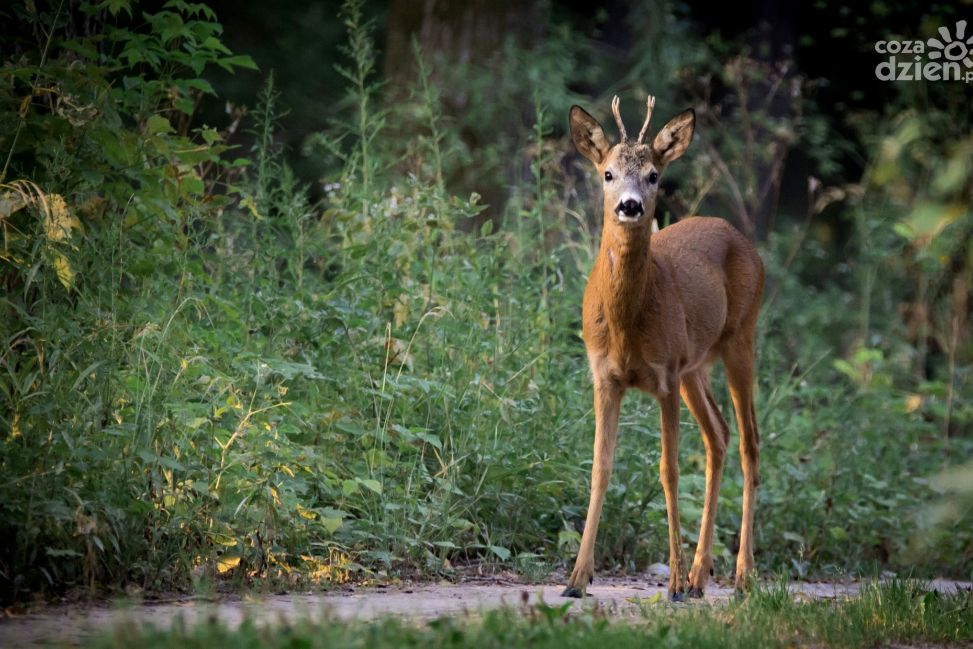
{"x":608,"y":399}
{"x":739,"y":362}
{"x":695,"y":390}
{"x":669,"y":473}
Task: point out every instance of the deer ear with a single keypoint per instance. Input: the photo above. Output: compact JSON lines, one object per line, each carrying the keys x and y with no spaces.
{"x":674,"y":138}
{"x":588,"y":135}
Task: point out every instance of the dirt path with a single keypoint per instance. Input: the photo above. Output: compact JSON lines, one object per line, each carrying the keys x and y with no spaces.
{"x":71,"y":624}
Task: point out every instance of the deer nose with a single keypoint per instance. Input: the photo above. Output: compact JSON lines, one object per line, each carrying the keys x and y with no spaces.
{"x":631,"y":208}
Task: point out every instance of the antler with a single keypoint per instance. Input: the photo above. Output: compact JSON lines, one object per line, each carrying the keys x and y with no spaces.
{"x":618,"y":120}
{"x":649,"y":105}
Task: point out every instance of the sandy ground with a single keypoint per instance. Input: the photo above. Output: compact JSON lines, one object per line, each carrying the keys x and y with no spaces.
{"x":621,"y":596}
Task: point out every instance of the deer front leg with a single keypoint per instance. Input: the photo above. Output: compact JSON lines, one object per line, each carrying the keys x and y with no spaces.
{"x":608,"y":399}
{"x":669,"y":473}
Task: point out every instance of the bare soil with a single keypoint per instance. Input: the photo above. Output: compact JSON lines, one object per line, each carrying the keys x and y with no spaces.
{"x":621,"y":596}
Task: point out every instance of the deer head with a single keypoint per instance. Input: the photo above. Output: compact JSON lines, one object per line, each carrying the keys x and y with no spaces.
{"x":631,"y":171}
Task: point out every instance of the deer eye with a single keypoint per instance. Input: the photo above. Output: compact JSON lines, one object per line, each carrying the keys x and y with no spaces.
{"x":608,"y":176}
{"x":654,"y":177}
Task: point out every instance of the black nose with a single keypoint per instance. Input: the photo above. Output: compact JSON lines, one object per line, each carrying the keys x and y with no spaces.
{"x":631,"y":207}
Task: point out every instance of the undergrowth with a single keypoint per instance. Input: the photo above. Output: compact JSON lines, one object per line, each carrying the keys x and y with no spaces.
{"x":207,"y":376}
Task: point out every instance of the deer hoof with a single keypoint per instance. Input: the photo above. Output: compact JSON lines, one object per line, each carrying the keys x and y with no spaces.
{"x":677,"y":596}
{"x":573,"y":591}
{"x":695,"y":593}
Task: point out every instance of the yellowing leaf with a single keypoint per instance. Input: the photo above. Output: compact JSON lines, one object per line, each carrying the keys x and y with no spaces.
{"x":913,"y":402}
{"x":304,"y":512}
{"x":63,"y":268}
{"x":225,"y":564}
{"x":249,"y":203}
{"x":58,"y":219}
{"x":400,"y":310}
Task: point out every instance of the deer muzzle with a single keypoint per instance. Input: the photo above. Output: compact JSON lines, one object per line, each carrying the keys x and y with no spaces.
{"x":629,"y":210}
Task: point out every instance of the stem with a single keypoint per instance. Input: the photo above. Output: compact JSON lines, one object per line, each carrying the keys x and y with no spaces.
{"x":363,"y":143}
{"x":869,"y":277}
{"x":958,"y":309}
{"x":537,"y":168}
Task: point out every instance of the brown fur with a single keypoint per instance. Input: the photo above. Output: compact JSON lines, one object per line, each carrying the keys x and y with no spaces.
{"x":658,"y":311}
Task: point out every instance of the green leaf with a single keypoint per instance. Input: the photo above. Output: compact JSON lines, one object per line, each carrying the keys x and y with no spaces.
{"x":289,"y":370}
{"x":171,"y":463}
{"x":349,"y":487}
{"x":114,"y":6}
{"x":197,"y":422}
{"x":431,"y":439}
{"x":158,"y":124}
{"x":239,"y":61}
{"x":904,"y":230}
{"x":502,"y":553}
{"x":210,"y":135}
{"x":192,"y":184}
{"x":331,"y":524}
{"x":185,"y":105}
{"x":351,"y":428}
{"x":449,"y":545}
{"x":147,"y":456}
{"x":929,"y":219}
{"x":213,"y":43}
{"x":196,"y":154}
{"x":85,"y":373}
{"x":202,"y":85}
{"x":373,"y":485}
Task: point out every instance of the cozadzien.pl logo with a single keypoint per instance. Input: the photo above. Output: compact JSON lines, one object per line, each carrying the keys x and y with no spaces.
{"x":946,"y":58}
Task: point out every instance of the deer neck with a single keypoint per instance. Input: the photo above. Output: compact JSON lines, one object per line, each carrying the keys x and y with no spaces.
{"x":626,"y":267}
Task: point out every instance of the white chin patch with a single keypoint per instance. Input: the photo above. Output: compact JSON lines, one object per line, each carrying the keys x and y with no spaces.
{"x":628,"y":219}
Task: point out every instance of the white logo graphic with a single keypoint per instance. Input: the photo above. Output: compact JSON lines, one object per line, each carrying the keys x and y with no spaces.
{"x":954,"y":49}
{"x":947,"y":59}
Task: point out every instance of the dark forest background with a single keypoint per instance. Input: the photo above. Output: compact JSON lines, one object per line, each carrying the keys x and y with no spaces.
{"x":291,"y":292}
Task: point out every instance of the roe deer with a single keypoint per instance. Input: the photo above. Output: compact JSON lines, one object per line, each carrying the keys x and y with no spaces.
{"x":658,"y":310}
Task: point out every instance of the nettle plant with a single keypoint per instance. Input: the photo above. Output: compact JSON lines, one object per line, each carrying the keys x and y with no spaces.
{"x":104,"y":106}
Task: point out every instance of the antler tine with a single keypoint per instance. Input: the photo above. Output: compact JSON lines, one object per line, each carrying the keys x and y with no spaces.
{"x":618,"y":119}
{"x":649,"y":105}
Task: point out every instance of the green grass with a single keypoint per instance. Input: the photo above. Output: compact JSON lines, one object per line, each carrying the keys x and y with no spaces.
{"x":900,"y":612}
